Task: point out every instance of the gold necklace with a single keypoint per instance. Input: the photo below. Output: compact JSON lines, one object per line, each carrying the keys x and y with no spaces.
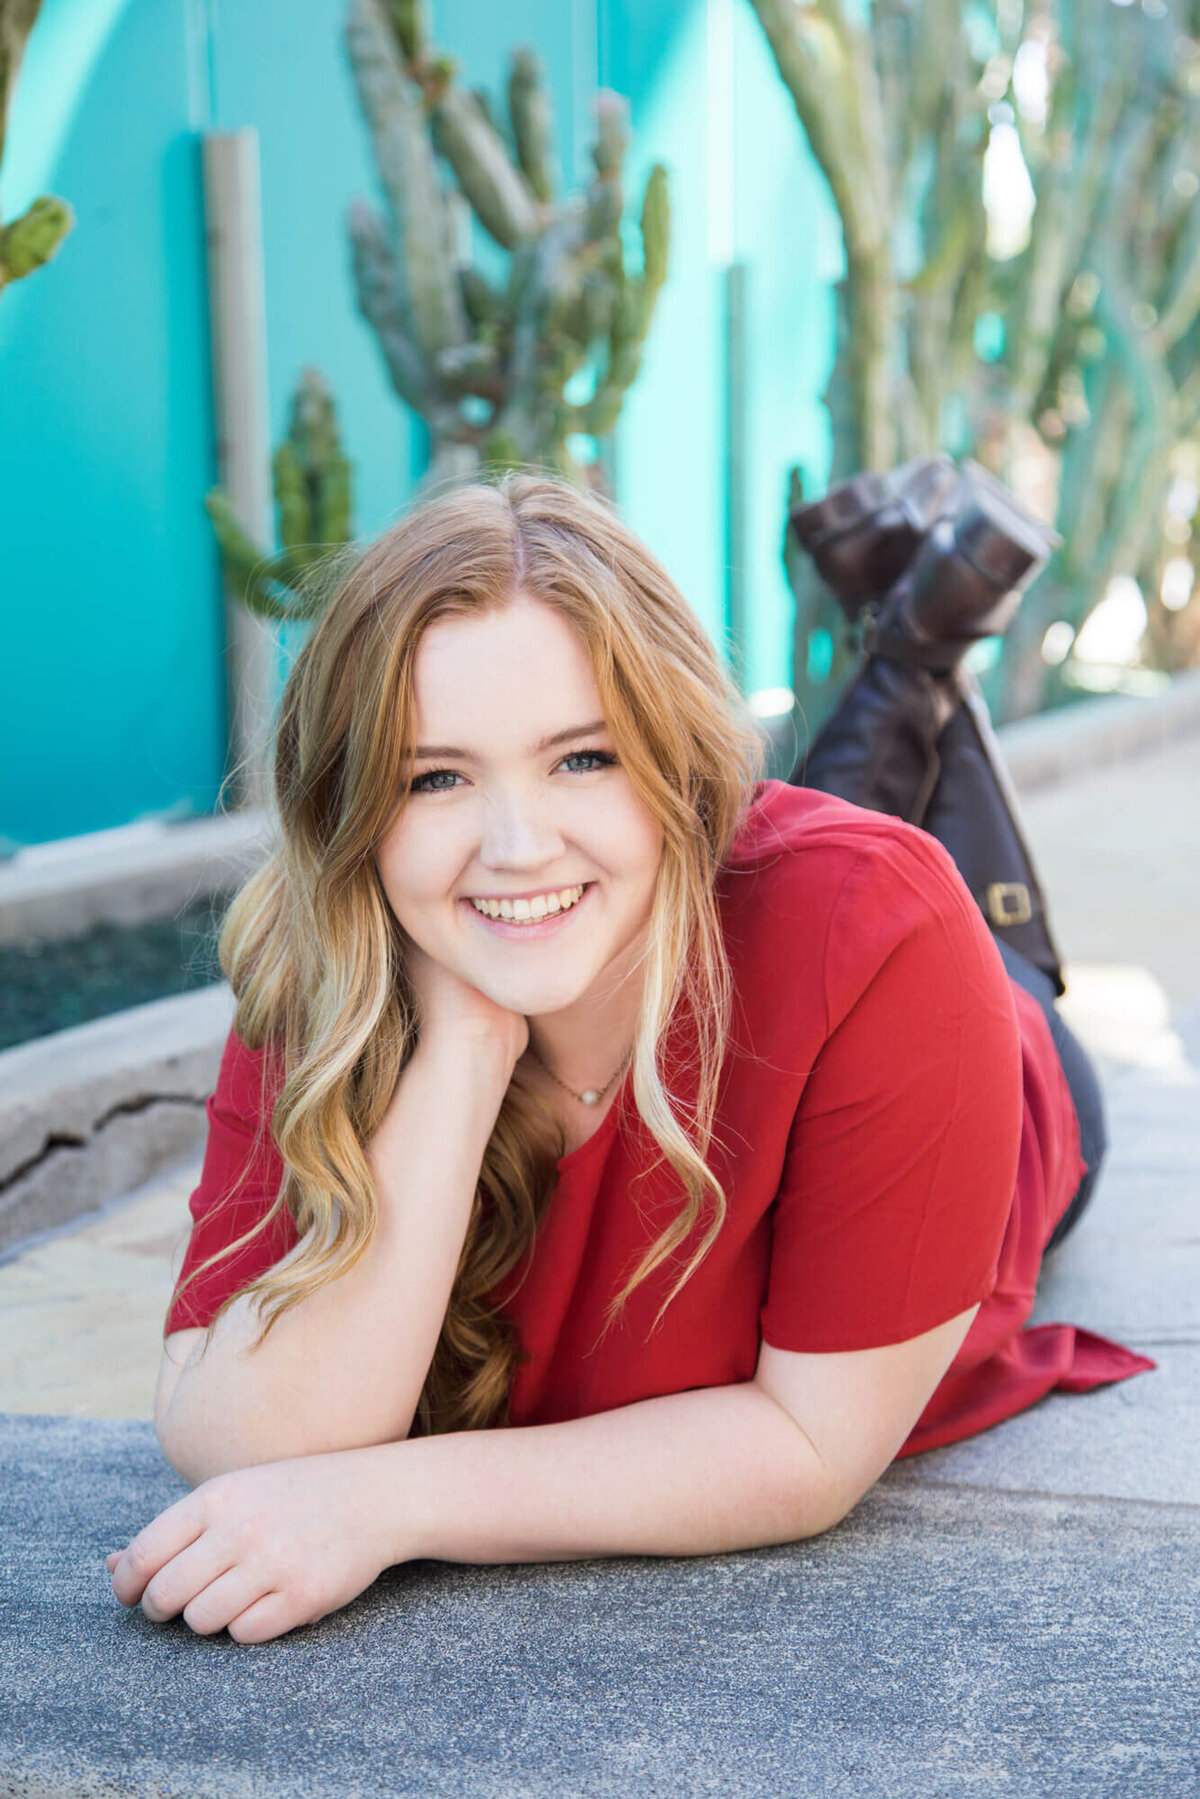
{"x":591,"y":1096}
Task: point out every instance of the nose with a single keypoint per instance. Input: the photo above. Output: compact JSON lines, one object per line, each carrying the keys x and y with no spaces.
{"x":518,"y":832}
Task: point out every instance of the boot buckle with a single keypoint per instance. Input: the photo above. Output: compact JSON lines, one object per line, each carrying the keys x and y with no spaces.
{"x":1008,"y":903}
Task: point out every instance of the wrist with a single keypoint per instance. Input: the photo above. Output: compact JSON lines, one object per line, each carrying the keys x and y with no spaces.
{"x":484,"y":1056}
{"x":401,"y":1482}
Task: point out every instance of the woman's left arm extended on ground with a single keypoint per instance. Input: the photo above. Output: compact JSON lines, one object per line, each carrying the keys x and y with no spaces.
{"x":783,"y":1456}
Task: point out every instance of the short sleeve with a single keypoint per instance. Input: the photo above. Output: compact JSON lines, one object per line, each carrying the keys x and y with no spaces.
{"x":239,"y":1180}
{"x":902,"y":1157}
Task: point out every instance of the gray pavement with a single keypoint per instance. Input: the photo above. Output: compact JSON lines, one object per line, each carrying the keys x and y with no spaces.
{"x":937,"y":1643}
{"x":1013,"y":1615}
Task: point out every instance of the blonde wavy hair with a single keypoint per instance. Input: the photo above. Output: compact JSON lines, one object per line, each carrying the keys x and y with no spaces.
{"x":315,"y":956}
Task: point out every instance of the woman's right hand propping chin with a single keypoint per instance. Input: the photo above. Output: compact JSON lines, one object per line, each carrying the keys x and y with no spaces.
{"x":452,"y":1010}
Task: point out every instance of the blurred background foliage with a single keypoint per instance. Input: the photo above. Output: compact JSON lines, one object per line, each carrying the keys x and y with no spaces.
{"x":31,"y":239}
{"x":1017,"y":183}
{"x":511,"y":361}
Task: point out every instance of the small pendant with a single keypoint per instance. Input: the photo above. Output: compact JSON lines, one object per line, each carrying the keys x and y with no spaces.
{"x":590,"y":1097}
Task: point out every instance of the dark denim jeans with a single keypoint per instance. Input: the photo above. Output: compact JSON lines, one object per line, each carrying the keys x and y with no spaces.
{"x":1081,"y":1080}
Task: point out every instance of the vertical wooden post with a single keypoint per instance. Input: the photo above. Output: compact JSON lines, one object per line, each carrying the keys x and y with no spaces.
{"x":237,"y":315}
{"x":735,"y":468}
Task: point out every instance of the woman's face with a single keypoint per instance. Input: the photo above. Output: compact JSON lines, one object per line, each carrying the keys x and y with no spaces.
{"x":517,"y":794}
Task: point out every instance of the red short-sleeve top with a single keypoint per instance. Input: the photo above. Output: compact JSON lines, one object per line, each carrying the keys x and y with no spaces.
{"x":894,"y":1136}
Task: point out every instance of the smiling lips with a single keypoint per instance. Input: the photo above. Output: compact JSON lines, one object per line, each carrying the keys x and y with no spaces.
{"x":530,"y":911}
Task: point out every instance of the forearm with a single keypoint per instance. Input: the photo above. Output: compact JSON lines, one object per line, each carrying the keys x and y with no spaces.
{"x":344,"y":1368}
{"x":695,"y":1473}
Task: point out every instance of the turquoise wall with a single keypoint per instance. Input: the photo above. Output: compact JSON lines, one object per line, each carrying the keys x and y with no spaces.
{"x":114,"y":697}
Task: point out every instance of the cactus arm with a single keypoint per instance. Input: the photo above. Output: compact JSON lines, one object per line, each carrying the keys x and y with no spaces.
{"x":929,"y":82}
{"x":471,"y":369}
{"x":605,"y":198}
{"x":491,"y":381}
{"x":28,"y":242}
{"x":409,"y":24}
{"x":827,"y":66}
{"x":970,"y":300}
{"x":334,"y":510}
{"x":312,"y":479}
{"x":813,"y":53}
{"x":1086,"y":460}
{"x":394,"y":109}
{"x":632,"y":312}
{"x":626,"y":338}
{"x":377,"y":289}
{"x":542,"y":359}
{"x":1187,"y":399}
{"x":17,"y":19}
{"x":1034,"y":346}
{"x":247,"y":567}
{"x":532,"y":119}
{"x":1045,"y":270}
{"x":293,"y":509}
{"x":612,"y":133}
{"x":1150,"y":387}
{"x":312,"y":498}
{"x":656,"y":236}
{"x":472,"y":147}
{"x":482,"y":302}
{"x":953,"y":227}
{"x":34,"y":238}
{"x":1181,"y":301}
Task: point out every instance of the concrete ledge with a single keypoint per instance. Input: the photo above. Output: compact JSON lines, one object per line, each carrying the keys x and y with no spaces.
{"x":89,"y":1113}
{"x":126,"y":876}
{"x":1074,"y":740}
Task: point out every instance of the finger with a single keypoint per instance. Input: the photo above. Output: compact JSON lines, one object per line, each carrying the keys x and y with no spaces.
{"x":226,"y":1598}
{"x":163,"y":1538}
{"x":110,"y":1561}
{"x":186,"y":1575}
{"x":268,"y":1617}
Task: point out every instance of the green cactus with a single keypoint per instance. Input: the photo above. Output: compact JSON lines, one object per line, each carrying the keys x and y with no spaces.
{"x":532,"y":125}
{"x":313,"y":503}
{"x":487,"y":367}
{"x":31,"y":240}
{"x":1095,"y":322}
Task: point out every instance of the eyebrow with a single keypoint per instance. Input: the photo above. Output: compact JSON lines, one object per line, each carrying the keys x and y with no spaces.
{"x":425,"y":750}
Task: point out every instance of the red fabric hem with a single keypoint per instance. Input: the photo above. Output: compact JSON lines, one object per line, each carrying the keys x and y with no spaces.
{"x":1043,"y":1359}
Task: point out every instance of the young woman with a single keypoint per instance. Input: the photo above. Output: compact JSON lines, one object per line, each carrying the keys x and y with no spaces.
{"x":615,"y":1152}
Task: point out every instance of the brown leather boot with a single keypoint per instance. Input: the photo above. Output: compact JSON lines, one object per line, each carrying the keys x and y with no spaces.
{"x":864,"y":532}
{"x":911,"y":735}
{"x":966,"y":580}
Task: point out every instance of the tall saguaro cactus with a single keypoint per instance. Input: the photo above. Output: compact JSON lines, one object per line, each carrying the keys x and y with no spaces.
{"x":1079,"y":350}
{"x":31,"y":240}
{"x":488,"y":364}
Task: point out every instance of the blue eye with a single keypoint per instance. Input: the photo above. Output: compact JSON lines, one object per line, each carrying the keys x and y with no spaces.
{"x":418,"y":785}
{"x":431,"y":782}
{"x":603,"y":758}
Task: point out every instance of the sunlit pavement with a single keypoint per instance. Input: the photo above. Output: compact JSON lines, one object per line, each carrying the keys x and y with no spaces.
{"x":1013,"y":1615}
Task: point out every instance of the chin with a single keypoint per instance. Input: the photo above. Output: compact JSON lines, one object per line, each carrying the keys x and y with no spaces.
{"x":532,"y":997}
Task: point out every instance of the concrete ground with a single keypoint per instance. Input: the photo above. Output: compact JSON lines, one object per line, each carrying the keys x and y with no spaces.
{"x":1013,"y":1615}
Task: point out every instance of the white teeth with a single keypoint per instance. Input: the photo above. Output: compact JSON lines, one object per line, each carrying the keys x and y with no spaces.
{"x":542,"y":905}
